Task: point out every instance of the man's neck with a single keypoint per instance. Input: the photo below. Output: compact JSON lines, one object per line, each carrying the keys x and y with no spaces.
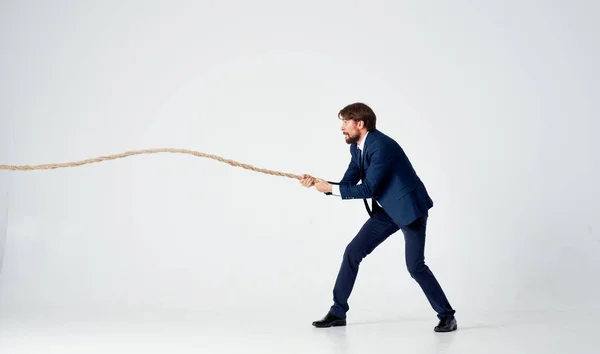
{"x":362,"y":139}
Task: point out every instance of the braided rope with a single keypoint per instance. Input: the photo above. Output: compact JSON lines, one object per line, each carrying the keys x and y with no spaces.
{"x":146,"y":151}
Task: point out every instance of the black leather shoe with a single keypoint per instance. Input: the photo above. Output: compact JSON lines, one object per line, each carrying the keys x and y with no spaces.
{"x":330,"y":320}
{"x":446,"y":324}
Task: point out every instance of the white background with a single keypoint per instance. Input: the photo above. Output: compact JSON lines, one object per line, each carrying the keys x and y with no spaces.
{"x":496,"y":104}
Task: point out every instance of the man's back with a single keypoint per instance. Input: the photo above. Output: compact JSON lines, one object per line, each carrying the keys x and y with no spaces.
{"x":399,"y":189}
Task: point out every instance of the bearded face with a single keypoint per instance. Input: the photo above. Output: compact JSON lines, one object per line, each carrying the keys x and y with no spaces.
{"x":351,"y":131}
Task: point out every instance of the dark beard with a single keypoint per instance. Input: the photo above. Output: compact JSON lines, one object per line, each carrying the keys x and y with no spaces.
{"x":351,"y":139}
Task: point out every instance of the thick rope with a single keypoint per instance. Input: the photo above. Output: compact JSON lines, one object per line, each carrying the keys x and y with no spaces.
{"x":146,"y":151}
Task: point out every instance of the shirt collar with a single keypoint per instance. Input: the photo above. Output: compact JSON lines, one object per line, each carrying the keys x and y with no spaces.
{"x":361,"y":145}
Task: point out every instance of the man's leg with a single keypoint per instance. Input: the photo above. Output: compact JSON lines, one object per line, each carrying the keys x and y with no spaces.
{"x":376,"y":230}
{"x":414,"y":236}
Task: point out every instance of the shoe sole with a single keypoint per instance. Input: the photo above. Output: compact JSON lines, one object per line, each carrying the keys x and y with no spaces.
{"x":332,"y":324}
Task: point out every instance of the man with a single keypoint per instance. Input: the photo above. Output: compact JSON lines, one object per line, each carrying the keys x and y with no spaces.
{"x":399,"y":201}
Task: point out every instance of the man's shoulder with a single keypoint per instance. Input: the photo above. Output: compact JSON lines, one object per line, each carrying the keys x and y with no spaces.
{"x":382,"y":140}
{"x":379,"y":135}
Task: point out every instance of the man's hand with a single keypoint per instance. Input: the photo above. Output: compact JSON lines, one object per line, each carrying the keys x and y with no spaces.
{"x":307,"y":181}
{"x":322,"y":186}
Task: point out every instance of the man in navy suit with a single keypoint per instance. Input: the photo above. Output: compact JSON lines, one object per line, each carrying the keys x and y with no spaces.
{"x":399,"y":201}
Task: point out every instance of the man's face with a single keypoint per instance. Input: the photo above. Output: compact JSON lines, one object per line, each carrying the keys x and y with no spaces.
{"x":351,"y":130}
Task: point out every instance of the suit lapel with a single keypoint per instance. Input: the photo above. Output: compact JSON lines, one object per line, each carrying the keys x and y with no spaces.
{"x":362,"y":169}
{"x":364,"y":152}
{"x":361,"y":156}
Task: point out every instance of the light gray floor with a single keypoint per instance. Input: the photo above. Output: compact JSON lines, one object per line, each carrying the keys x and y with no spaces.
{"x":265,"y":333}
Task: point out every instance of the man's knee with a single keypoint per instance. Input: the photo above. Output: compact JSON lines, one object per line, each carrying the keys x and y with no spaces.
{"x":354,"y":254}
{"x":417,"y":269}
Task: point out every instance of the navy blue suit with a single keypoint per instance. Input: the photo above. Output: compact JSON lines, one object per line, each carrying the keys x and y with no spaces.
{"x":399,"y":202}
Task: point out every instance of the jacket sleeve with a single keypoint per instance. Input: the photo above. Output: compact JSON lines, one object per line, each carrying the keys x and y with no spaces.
{"x":376,"y":173}
{"x":351,"y":176}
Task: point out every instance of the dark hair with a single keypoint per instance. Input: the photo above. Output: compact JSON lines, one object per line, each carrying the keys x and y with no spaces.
{"x":359,"y":111}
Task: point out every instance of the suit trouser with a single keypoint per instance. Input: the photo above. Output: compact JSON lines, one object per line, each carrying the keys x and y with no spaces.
{"x":376,"y":230}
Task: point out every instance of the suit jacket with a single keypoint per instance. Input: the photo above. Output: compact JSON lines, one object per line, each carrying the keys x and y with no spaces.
{"x":387,"y":177}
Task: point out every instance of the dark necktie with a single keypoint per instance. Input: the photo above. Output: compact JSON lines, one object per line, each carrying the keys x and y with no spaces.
{"x":362,"y":177}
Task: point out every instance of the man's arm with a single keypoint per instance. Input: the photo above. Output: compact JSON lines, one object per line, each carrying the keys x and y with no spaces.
{"x":378,"y":168}
{"x":351,"y":177}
